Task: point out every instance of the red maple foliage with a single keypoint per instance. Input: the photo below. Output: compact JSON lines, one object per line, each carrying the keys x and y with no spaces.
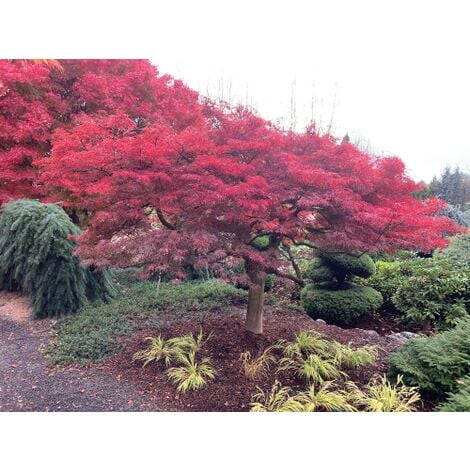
{"x":41,"y":96}
{"x":168,"y":179}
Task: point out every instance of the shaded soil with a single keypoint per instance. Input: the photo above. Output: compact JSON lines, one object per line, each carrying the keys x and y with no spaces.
{"x":231,"y":390}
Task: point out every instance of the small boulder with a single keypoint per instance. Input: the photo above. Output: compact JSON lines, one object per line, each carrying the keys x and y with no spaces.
{"x":403,"y":336}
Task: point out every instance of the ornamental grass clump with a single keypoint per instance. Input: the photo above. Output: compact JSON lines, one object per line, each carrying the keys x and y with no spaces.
{"x":313,"y":368}
{"x":383,"y":396}
{"x":317,"y":360}
{"x":188,"y":372}
{"x":277,"y":399}
{"x":158,"y":350}
{"x":36,"y":257}
{"x":348,"y":357}
{"x":257,"y":366}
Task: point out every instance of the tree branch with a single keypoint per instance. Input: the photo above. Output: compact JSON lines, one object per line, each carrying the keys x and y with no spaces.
{"x":164,"y":222}
{"x":293,"y":262}
{"x":291,"y":277}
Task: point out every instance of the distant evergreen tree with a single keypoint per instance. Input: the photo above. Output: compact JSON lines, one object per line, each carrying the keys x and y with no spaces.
{"x":462,"y":218}
{"x":445,"y":187}
{"x":453,"y":187}
{"x":36,"y":257}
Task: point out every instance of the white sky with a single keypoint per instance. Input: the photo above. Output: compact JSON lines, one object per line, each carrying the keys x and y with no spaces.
{"x":400,"y":70}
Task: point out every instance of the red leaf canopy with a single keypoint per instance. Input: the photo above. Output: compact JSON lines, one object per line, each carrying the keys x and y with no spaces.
{"x":167,"y":178}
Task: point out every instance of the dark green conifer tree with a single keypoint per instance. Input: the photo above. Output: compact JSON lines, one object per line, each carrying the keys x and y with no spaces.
{"x":36,"y":258}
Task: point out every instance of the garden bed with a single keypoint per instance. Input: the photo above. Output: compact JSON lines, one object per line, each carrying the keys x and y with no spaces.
{"x":231,"y":390}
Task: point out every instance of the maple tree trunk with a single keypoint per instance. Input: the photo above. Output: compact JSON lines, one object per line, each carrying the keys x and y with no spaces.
{"x":254,"y":313}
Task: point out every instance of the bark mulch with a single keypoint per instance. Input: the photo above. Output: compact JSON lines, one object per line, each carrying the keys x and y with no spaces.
{"x":231,"y":390}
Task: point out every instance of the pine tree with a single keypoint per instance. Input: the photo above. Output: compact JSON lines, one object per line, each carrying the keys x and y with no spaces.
{"x":36,"y":257}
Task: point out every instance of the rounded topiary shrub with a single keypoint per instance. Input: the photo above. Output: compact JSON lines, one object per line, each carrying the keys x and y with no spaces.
{"x":339,"y":306}
{"x":317,"y":271}
{"x":348,"y":265}
{"x":330,"y":294}
{"x":36,"y":257}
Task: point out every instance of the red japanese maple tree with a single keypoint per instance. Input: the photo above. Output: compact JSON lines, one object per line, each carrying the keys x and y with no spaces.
{"x":166,"y":178}
{"x":211,"y":186}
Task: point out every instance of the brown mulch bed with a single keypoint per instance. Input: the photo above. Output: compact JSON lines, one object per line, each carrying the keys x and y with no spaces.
{"x":231,"y":390}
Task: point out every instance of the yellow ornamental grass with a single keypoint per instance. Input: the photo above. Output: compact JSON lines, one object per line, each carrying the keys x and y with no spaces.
{"x":158,"y":350}
{"x":350,"y":358}
{"x":313,"y":369}
{"x":382,"y":396}
{"x":191,"y":375}
{"x":325,"y":398}
{"x":306,"y":342}
{"x":277,"y":399}
{"x":259,"y":366}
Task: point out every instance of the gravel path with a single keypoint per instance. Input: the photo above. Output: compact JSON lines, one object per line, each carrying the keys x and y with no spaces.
{"x":28,"y":384}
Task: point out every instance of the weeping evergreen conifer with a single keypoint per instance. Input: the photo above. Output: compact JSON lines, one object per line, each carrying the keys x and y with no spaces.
{"x":36,"y":257}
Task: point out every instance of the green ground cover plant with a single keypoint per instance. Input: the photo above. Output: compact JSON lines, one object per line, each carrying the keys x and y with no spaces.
{"x":91,"y":335}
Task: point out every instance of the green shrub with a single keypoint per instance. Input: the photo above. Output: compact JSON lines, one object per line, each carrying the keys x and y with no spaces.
{"x":339,"y":306}
{"x":339,"y":267}
{"x":127,"y":277}
{"x":316,"y":271}
{"x":435,"y":364}
{"x":88,"y":336}
{"x":458,"y":251}
{"x":435,"y":292}
{"x":388,"y":277}
{"x":431,"y":290}
{"x":36,"y":257}
{"x":460,"y":400}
